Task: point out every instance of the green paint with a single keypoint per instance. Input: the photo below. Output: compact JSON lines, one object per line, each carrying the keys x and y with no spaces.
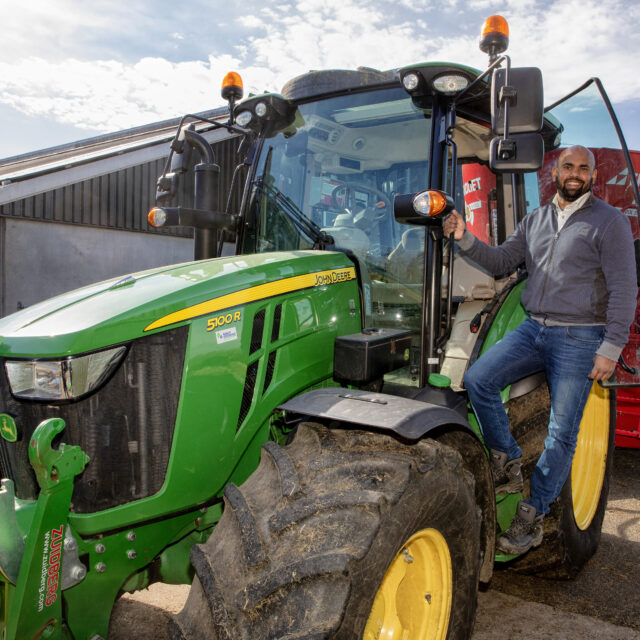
{"x":210,"y":445}
{"x":510,"y":315}
{"x":36,"y":601}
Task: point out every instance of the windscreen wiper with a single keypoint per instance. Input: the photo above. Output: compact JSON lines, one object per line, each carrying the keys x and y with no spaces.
{"x":309,"y":228}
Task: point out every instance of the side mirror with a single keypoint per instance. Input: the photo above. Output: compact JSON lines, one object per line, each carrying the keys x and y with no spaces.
{"x":523,"y":97}
{"x":166,"y":187}
{"x":181,"y":151}
{"x":516,"y":117}
{"x":519,"y":153}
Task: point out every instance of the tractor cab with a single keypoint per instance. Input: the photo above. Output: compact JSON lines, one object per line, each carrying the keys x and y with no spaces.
{"x":340,"y":161}
{"x":330,"y":183}
{"x":342,"y":156}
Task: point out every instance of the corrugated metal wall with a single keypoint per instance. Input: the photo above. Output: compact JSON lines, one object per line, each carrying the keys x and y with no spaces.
{"x":121,"y":199}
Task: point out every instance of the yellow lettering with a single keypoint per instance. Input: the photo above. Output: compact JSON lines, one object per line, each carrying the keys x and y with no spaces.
{"x":219,"y":321}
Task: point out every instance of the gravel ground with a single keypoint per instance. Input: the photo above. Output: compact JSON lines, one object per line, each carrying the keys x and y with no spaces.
{"x":602,"y":603}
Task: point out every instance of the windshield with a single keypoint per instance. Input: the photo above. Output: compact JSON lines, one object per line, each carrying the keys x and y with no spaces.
{"x":337,"y":176}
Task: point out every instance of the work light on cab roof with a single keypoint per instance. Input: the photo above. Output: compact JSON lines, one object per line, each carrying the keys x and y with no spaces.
{"x":417,"y":83}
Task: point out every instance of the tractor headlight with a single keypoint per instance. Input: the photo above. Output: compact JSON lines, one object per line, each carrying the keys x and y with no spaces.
{"x":244,"y":118}
{"x":66,"y":379}
{"x":450,"y":83}
{"x":261,"y":109}
{"x":411,"y":81}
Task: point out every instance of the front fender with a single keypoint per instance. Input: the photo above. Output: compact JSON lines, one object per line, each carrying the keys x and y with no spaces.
{"x":410,"y":419}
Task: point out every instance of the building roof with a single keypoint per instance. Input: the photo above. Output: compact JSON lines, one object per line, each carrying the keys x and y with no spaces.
{"x":39,"y":171}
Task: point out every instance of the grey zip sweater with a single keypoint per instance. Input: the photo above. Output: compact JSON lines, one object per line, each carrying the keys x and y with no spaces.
{"x":584,"y":274}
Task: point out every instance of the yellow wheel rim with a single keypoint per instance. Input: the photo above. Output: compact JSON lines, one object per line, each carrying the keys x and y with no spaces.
{"x":414,"y":600}
{"x":590,"y":460}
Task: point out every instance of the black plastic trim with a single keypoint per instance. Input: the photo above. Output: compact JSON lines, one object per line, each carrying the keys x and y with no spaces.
{"x":410,"y":419}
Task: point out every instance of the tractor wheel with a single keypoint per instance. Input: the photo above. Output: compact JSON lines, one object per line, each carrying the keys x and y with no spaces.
{"x":572,"y":528}
{"x":342,"y":534}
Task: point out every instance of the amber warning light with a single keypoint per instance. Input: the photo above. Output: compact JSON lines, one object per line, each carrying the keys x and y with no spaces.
{"x":157,"y":217}
{"x":232,"y":87}
{"x":430,"y":203}
{"x":494,"y":39}
{"x":419,"y":208}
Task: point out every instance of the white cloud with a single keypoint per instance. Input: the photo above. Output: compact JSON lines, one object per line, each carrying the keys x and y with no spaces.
{"x":109,"y":95}
{"x":45,"y":27}
{"x":574,"y":40}
{"x":251,"y":22}
{"x":570,"y":40}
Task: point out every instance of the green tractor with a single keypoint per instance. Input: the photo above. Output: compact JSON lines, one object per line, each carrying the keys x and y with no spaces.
{"x":285,"y":428}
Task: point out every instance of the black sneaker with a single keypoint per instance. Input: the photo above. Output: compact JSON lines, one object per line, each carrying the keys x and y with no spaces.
{"x":524,"y":533}
{"x":507,"y":474}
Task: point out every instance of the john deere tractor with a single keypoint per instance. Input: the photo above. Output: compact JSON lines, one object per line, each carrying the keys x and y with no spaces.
{"x":285,"y":428}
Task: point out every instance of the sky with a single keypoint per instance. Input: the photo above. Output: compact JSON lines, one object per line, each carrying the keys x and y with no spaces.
{"x":72,"y":69}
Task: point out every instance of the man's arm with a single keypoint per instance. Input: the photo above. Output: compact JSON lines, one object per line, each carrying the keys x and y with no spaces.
{"x":496,"y":260}
{"x":619,"y":268}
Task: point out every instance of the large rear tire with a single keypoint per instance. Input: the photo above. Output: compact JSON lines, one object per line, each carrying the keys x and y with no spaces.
{"x":342,"y":534}
{"x":572,"y":528}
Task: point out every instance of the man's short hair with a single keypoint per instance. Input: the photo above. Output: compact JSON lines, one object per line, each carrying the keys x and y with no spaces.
{"x":592,"y":158}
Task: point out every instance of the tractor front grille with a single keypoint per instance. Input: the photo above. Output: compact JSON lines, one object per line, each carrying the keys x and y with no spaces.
{"x":126,"y":427}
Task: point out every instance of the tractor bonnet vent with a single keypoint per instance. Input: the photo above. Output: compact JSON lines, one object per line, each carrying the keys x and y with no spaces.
{"x":275,"y":329}
{"x":247,"y":394}
{"x":256,"y":331}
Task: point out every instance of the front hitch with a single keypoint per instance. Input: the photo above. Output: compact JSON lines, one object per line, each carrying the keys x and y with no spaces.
{"x":12,"y":542}
{"x":33,"y":573}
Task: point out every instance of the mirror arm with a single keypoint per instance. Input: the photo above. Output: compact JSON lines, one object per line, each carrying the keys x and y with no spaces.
{"x":507,"y":95}
{"x":491,"y":67}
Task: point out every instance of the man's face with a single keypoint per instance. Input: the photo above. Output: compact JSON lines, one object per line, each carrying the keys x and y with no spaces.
{"x":574,"y":174}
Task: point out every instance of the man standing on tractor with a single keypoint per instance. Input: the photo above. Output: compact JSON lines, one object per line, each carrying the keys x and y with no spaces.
{"x":580,"y":296}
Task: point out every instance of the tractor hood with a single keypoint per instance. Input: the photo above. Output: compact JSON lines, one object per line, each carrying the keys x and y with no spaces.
{"x":125,"y":308}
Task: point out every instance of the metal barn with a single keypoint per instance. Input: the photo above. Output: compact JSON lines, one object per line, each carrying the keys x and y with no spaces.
{"x":77,"y":214}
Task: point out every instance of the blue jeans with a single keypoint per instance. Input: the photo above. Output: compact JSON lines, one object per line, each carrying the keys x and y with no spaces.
{"x":566,"y":355}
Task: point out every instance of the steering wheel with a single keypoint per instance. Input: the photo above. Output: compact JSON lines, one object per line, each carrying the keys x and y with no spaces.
{"x":377,"y":212}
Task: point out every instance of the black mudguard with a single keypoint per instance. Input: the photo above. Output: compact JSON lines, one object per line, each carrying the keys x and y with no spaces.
{"x":410,"y":419}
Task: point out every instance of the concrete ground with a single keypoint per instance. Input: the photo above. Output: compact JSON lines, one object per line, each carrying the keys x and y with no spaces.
{"x":602,"y":603}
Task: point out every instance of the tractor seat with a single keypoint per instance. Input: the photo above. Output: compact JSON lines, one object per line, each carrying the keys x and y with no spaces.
{"x":347,"y":235}
{"x":405,"y":261}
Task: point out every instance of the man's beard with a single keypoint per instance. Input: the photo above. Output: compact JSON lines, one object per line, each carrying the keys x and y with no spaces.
{"x":572,"y":197}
